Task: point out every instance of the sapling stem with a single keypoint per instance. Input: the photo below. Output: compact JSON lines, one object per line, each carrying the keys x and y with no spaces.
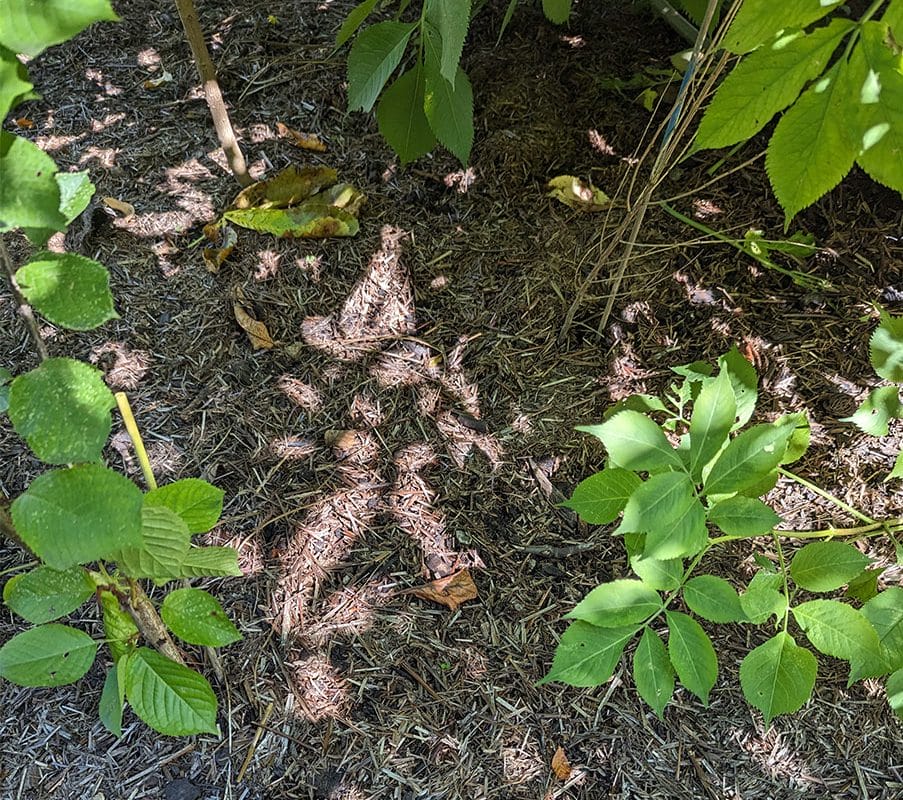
{"x":24,"y":308}
{"x":783,"y":565}
{"x":135,"y":435}
{"x":828,"y":496}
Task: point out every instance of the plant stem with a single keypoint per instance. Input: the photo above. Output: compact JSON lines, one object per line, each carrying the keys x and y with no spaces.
{"x":783,"y":565}
{"x":828,"y":496}
{"x":24,"y":309}
{"x":135,"y":435}
{"x":148,"y":622}
{"x":189,"y":16}
{"x":889,"y":526}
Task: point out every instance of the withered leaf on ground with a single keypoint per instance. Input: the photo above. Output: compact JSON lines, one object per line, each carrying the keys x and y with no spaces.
{"x":306,"y":141}
{"x":310,"y":220}
{"x":451,"y":591}
{"x":256,"y":330}
{"x":577,"y":194}
{"x":225,"y":238}
{"x":560,"y":765}
{"x":286,"y":188}
{"x":119,"y":206}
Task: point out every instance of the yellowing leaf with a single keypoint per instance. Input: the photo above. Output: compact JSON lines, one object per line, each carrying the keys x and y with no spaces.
{"x":256,"y":330}
{"x":560,"y":765}
{"x":577,"y":194}
{"x":451,"y":591}
{"x":308,"y":221}
{"x":226,"y":238}
{"x":288,"y":187}
{"x":306,"y":141}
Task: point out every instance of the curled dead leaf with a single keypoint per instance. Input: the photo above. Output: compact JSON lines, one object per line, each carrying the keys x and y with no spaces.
{"x":306,"y":141}
{"x":225,"y":238}
{"x":24,"y":122}
{"x":155,"y":83}
{"x":286,"y":188}
{"x":577,"y":194}
{"x":560,"y":765}
{"x":119,"y":206}
{"x":257,"y":332}
{"x":451,"y":591}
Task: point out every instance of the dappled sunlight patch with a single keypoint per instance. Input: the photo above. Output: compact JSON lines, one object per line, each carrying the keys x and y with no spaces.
{"x":461,"y":180}
{"x":97,"y":77}
{"x":293,"y":448}
{"x":166,"y":459}
{"x":98,"y":125}
{"x":123,"y":367}
{"x":706,"y":209}
{"x":599,"y":143}
{"x":302,"y":394}
{"x":259,"y":132}
{"x":319,"y":688}
{"x":267,"y":265}
{"x":104,"y":157}
{"x":348,"y":612}
{"x":366,"y":410}
{"x":776,"y":757}
{"x":522,"y":760}
{"x":311,"y":265}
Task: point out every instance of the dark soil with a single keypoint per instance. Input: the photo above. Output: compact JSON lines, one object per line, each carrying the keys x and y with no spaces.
{"x":417,"y":418}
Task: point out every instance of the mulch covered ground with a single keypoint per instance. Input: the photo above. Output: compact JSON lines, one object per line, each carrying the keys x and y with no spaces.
{"x":417,"y":418}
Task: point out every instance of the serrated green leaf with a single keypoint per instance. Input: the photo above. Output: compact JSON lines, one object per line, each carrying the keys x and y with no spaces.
{"x":29,"y":194}
{"x":196,"y":617}
{"x":897,"y":470}
{"x":448,"y":105}
{"x":71,"y":291}
{"x":112,"y":700}
{"x":62,"y":410}
{"x":599,"y":498}
{"x":657,"y":503}
{"x":826,"y":566}
{"x":77,"y":515}
{"x":839,"y":630}
{"x":354,"y":20}
{"x":812,"y":147}
{"x":663,"y":575}
{"x":875,"y":413}
{"x":164,"y":546}
{"x":197,"y":502}
{"x":885,"y":613}
{"x":714,"y":599}
{"x":45,"y":594}
{"x":652,"y":672}
{"x":119,"y":628}
{"x":210,"y":562}
{"x":778,"y":676}
{"x":27,"y":30}
{"x":766,"y":82}
{"x":894,"y":691}
{"x":743,"y":516}
{"x":557,"y":11}
{"x":76,"y":191}
{"x":759,"y":20}
{"x":798,"y":443}
{"x":587,"y":655}
{"x":691,"y":654}
{"x":864,"y":586}
{"x":617,"y":603}
{"x":401,"y":119}
{"x":451,"y":19}
{"x":748,"y":459}
{"x":635,"y":442}
{"x":169,"y":697}
{"x":714,"y":412}
{"x":14,"y":84}
{"x":49,"y":655}
{"x":685,"y":535}
{"x":373,"y":57}
{"x":886,"y":348}
{"x":762,"y":598}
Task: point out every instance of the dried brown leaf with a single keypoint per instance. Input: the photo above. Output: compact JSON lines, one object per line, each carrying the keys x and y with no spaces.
{"x":560,"y":765}
{"x":256,"y":330}
{"x":306,"y":141}
{"x":451,"y":591}
{"x":226,"y":238}
{"x":119,"y":206}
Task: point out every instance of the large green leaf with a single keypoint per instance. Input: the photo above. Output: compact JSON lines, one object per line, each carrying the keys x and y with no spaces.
{"x":885,"y":613}
{"x":812,"y":147}
{"x":714,"y":412}
{"x":880,"y":96}
{"x":71,"y":291}
{"x":28,"y":27}
{"x":401,"y":118}
{"x":210,"y":562}
{"x":197,"y":502}
{"x":165,"y":542}
{"x":76,"y":515}
{"x":652,"y":671}
{"x":14,"y":84}
{"x":45,"y":594}
{"x":886,"y":348}
{"x":657,"y":503}
{"x":877,"y":410}
{"x":759,"y":20}
{"x":893,"y":16}
{"x":748,"y":459}
{"x":169,"y":697}
{"x":587,"y":655}
{"x":76,"y":191}
{"x":557,"y":11}
{"x":766,"y":82}
{"x":309,"y":220}
{"x":635,"y":442}
{"x":196,"y":617}
{"x":743,"y":378}
{"x":448,"y":106}
{"x":6,"y":378}
{"x":599,"y":498}
{"x":662,"y":574}
{"x":714,"y":599}
{"x":451,"y":19}
{"x":826,"y":566}
{"x":778,"y":676}
{"x":617,"y":603}
{"x":743,"y":516}
{"x":839,"y":630}
{"x":685,"y":535}
{"x":373,"y":57}
{"x":62,"y":409}
{"x":354,"y":20}
{"x":49,"y":655}
{"x":691,"y":654}
{"x":29,"y":194}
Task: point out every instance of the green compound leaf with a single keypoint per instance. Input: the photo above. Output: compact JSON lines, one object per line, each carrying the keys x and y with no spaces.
{"x":45,"y":594}
{"x":165,"y":542}
{"x":714,"y":412}
{"x":601,"y":497}
{"x":839,"y":630}
{"x":14,"y":84}
{"x":196,"y":617}
{"x":743,"y":516}
{"x":812,"y":147}
{"x":864,"y":586}
{"x":73,"y":516}
{"x":763,"y":598}
{"x":62,"y":409}
{"x":743,"y":378}
{"x":657,"y":503}
{"x":49,"y":655}
{"x":886,"y":348}
{"x":112,"y":701}
{"x":885,"y":612}
{"x":28,"y":30}
{"x":197,"y":502}
{"x":759,"y":20}
{"x":617,"y":603}
{"x":664,"y":575}
{"x":557,"y":11}
{"x":748,"y":459}
{"x":451,"y":19}
{"x":70,"y":290}
{"x":401,"y":119}
{"x":652,"y":672}
{"x":798,"y":443}
{"x":893,"y":16}
{"x":778,"y":676}
{"x":766,"y":82}
{"x":587,"y":655}
{"x":880,"y":105}
{"x":169,"y":697}
{"x":877,"y":410}
{"x":714,"y":599}
{"x":635,"y":442}
{"x":686,"y":535}
{"x":895,"y":692}
{"x":354,"y":20}
{"x":118,"y":626}
{"x":826,"y":566}
{"x":29,"y":194}
{"x":210,"y":562}
{"x":373,"y":57}
{"x":448,"y":105}
{"x":691,"y":654}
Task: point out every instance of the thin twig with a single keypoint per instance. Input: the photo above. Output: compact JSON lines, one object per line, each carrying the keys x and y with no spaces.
{"x":24,"y":309}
